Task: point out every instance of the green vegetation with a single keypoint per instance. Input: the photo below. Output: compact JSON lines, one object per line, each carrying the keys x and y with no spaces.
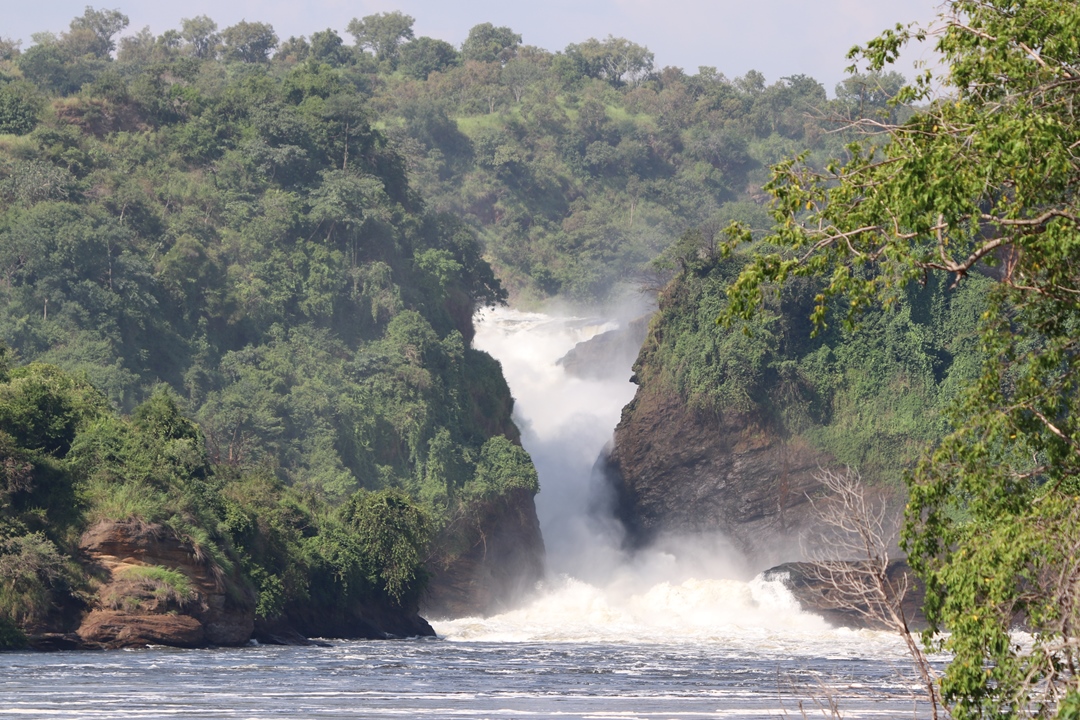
{"x":985,"y":178}
{"x":230,"y":314}
{"x":872,"y":395}
{"x":575,"y":168}
{"x":579,"y":167}
{"x":168,"y":587}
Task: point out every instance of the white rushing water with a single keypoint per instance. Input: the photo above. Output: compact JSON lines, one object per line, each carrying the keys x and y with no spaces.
{"x":682,"y":590}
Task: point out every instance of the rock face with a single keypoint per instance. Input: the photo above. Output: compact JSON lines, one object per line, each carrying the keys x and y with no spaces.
{"x":136,"y":607}
{"x":681,"y":471}
{"x":823,"y":598}
{"x":594,"y":358}
{"x":503,"y":560}
{"x":353,"y":622}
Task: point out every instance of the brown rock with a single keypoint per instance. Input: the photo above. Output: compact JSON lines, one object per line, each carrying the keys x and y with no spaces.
{"x":113,"y":629}
{"x":219,"y":611}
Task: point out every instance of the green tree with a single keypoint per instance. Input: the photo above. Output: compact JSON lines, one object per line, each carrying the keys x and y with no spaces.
{"x":98,"y":28}
{"x":201,"y":35}
{"x":19,"y":107}
{"x":393,"y":534}
{"x":382,"y":33}
{"x":487,"y":43}
{"x":616,"y":60}
{"x":985,"y":181}
{"x":503,"y":466}
{"x":424,"y":55}
{"x":250,"y":42}
{"x":328,"y":47}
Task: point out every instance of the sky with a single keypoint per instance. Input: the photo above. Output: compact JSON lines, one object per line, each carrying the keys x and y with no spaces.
{"x":775,"y":37}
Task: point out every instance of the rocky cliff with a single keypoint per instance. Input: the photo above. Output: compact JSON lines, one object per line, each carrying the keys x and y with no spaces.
{"x":160,"y":589}
{"x":501,"y":559}
{"x":686,"y":471}
{"x":731,"y":426}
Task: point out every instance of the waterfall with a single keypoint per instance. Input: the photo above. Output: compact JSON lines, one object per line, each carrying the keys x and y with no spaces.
{"x":598,"y":590}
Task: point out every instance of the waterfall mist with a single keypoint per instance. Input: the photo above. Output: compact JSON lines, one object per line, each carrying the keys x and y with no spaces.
{"x":565,"y":424}
{"x":597,"y":586}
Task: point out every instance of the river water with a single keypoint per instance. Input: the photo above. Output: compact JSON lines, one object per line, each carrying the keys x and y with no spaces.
{"x":680,"y":630}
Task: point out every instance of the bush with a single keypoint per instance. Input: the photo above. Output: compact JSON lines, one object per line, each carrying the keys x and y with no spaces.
{"x":393,"y":534}
{"x":503,"y":467}
{"x":33,"y":577}
{"x":11,"y":636}
{"x":19,"y":107}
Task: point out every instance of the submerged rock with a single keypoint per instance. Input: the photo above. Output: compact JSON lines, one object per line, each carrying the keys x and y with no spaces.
{"x":835,"y":602}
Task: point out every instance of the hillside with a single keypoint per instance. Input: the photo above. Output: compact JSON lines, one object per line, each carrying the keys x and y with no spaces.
{"x":730,"y":426}
{"x":234,"y":323}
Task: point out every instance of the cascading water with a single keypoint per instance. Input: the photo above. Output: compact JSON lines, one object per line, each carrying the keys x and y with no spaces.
{"x":679,"y":589}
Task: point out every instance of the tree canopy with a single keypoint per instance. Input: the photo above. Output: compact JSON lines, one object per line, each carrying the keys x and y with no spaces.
{"x":985,"y":181}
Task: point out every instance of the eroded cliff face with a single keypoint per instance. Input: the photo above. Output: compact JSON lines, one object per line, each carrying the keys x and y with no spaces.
{"x":499,"y":559}
{"x":683,"y":471}
{"x":135,"y":606}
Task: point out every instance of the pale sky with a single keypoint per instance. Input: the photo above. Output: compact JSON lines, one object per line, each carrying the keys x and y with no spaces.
{"x":776,"y":37}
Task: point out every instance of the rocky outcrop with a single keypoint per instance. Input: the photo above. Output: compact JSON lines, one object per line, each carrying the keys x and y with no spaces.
{"x":595,"y":358}
{"x":118,"y":629}
{"x":141,"y":600}
{"x":137,"y":602}
{"x":827,"y":594}
{"x":499,"y":558}
{"x":357,"y":621}
{"x":678,"y":470}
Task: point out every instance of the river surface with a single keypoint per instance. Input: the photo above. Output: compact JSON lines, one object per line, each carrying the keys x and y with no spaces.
{"x":679,"y":630}
{"x":459,"y":679}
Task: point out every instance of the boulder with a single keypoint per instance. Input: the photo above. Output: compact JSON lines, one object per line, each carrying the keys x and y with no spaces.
{"x":112,"y":629}
{"x":835,"y":602}
{"x":218,"y":610}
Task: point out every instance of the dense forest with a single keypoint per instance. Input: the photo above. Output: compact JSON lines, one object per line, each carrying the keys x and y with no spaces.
{"x":230,"y":314}
{"x":239,"y":274}
{"x":872,"y":395}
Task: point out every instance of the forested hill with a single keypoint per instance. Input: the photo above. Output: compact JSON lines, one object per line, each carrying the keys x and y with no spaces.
{"x":238,"y":274}
{"x":188,"y":234}
{"x":578,"y":167}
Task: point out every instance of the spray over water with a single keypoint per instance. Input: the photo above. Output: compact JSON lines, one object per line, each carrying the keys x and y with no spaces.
{"x":597,"y":590}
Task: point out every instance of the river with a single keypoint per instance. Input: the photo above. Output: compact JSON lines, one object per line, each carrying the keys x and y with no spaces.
{"x":680,"y":630}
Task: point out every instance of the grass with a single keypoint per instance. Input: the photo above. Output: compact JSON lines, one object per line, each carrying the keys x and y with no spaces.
{"x":167,"y":586}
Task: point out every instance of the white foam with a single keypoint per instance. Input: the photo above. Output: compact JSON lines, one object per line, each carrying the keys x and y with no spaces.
{"x":678,"y":591}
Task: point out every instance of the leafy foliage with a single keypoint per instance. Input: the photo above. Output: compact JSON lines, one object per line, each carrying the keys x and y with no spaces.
{"x":872,"y":396}
{"x":982,"y":183}
{"x":231,"y":311}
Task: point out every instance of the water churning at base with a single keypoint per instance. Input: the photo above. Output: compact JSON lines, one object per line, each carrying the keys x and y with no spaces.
{"x":597,"y":590}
